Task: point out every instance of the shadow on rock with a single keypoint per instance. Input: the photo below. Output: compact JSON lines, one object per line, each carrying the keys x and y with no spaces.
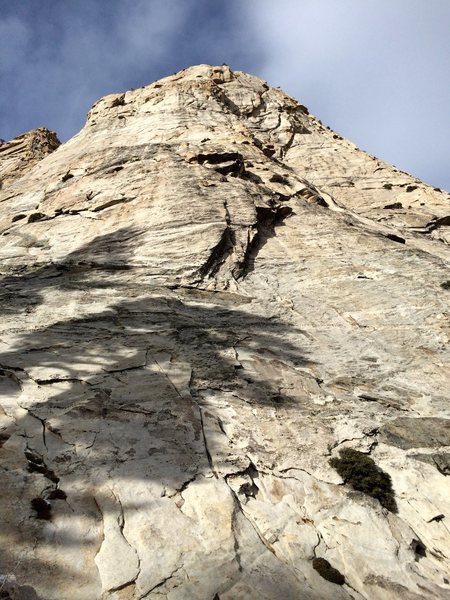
{"x":133,"y":391}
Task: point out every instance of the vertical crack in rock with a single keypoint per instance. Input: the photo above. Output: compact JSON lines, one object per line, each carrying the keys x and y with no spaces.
{"x":288,"y":145}
{"x":36,"y":464}
{"x":200,"y":413}
{"x":240,"y":508}
{"x":219,"y":253}
{"x":205,"y":440}
{"x":118,"y":561}
{"x":267,"y":220}
{"x":237,"y":550}
{"x":228,"y":248}
{"x":42,"y":423}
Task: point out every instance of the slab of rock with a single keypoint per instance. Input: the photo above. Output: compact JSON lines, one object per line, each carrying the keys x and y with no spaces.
{"x":206,"y":295}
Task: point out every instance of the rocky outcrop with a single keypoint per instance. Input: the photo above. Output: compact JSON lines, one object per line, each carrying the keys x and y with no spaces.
{"x":23,"y":152}
{"x":208,"y":300}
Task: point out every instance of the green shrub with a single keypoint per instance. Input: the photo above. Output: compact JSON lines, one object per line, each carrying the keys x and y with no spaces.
{"x":446,"y":285}
{"x":361,"y":472}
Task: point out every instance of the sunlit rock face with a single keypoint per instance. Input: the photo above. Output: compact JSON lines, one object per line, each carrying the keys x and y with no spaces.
{"x":206,"y":296}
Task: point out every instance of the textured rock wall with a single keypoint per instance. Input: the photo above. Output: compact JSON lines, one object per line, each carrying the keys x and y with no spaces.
{"x":24,"y":151}
{"x":206,"y":296}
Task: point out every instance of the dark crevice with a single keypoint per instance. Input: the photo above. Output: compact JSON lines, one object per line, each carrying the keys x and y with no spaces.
{"x":395,"y":238}
{"x":187,"y":483}
{"x":248,"y":489}
{"x":436,"y":223}
{"x":268,"y":218}
{"x":249,"y":176}
{"x":255,"y":111}
{"x":278,"y":178}
{"x":18,"y":218}
{"x":4,"y":437}
{"x":9,"y":374}
{"x":286,"y":147}
{"x":219,"y":253}
{"x":238,"y":506}
{"x":57,"y":380}
{"x":205,"y":442}
{"x":37,"y":216}
{"x":123,"y":585}
{"x":441,"y":464}
{"x":115,"y":169}
{"x":6,"y":368}
{"x":310,"y":192}
{"x":216,"y":158}
{"x":226,"y":101}
{"x":325,"y":570}
{"x":110,"y":203}
{"x":437,"y":518}
{"x":268,"y":150}
{"x":119,"y":101}
{"x":225,"y":163}
{"x":36,"y":464}
{"x":419,"y":549}
{"x":237,"y":550}
{"x":161,"y":583}
{"x":57,"y":494}
{"x":42,"y":508}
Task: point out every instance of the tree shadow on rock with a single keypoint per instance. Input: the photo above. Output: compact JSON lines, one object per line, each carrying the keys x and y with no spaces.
{"x":23,"y":287}
{"x":107,"y":419}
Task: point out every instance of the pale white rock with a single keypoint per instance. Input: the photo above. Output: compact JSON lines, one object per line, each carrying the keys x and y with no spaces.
{"x":117,"y":561}
{"x":207,"y":295}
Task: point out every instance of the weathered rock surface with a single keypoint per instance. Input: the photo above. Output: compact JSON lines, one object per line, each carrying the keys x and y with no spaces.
{"x":24,"y":151}
{"x":206,"y":295}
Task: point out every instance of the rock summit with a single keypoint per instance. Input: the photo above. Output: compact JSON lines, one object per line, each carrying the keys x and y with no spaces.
{"x":224,"y":356}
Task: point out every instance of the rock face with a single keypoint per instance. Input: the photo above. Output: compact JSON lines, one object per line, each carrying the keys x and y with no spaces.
{"x":206,"y":297}
{"x":24,"y":151}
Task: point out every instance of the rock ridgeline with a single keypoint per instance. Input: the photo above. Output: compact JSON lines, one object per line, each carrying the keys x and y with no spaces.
{"x":224,"y":362}
{"x":24,"y":151}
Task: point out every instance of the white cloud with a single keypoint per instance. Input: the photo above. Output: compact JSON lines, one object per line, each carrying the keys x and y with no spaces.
{"x":87,"y":57}
{"x":378,"y":71}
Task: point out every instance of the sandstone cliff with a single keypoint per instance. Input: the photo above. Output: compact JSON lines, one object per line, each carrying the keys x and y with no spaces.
{"x":206,"y":297}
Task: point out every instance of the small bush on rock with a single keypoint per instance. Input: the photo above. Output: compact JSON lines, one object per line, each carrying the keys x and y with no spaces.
{"x":361,"y":472}
{"x":446,"y":285}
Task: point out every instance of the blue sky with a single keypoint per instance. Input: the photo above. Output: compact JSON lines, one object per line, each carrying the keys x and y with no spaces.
{"x":377,"y":71}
